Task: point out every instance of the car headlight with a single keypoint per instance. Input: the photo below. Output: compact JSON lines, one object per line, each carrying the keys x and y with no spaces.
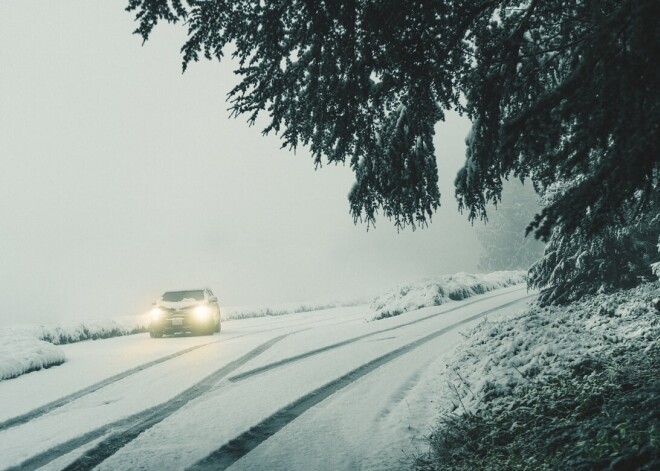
{"x":202,"y":312}
{"x":156,"y":313}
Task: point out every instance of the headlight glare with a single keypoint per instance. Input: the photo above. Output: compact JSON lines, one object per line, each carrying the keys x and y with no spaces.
{"x":202,"y":312}
{"x":156,"y":313}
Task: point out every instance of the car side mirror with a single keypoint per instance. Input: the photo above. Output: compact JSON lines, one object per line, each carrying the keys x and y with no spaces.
{"x":213,"y":299}
{"x":154,"y":302}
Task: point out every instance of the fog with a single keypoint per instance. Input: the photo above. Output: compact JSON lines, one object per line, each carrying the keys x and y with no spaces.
{"x":120,"y":178}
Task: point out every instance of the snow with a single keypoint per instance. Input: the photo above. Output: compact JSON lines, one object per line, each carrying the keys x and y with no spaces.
{"x":371,"y":420}
{"x":367,"y":426}
{"x":545,"y":341}
{"x":247,"y":312}
{"x":86,"y":364}
{"x":27,"y":348}
{"x":31,"y":347}
{"x":374,"y":422}
{"x":437,"y":291}
{"x":363,"y":419}
{"x":71,"y":332}
{"x":184,"y":303}
{"x":20,"y":354}
{"x":655,"y":269}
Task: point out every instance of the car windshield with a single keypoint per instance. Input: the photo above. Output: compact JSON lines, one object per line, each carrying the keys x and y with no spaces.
{"x":175,"y":296}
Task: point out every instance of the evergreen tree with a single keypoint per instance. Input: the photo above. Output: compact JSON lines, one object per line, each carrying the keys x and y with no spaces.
{"x":504,"y":243}
{"x":557,"y":91}
{"x":566,"y":91}
{"x":618,"y":257}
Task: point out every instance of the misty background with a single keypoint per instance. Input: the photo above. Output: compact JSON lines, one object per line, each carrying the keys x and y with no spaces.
{"x":121,"y":178}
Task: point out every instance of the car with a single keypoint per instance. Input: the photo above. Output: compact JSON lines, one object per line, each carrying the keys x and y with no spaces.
{"x":195,"y":311}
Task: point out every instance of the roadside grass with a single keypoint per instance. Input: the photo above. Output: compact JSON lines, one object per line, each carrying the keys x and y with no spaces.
{"x":600,"y":411}
{"x":440,"y":290}
{"x":28,"y":348}
{"x":249,"y":312}
{"x":605,"y":416}
{"x":82,"y":332}
{"x":33,"y":347}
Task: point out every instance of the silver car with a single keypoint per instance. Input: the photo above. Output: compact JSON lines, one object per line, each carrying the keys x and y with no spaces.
{"x":195,"y":311}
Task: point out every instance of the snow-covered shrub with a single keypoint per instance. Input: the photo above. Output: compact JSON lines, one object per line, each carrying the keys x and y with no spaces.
{"x":604,"y":417}
{"x":437,"y":291}
{"x":88,"y":330}
{"x":21,"y":353}
{"x":29,"y":348}
{"x":247,"y":312}
{"x":572,"y":387}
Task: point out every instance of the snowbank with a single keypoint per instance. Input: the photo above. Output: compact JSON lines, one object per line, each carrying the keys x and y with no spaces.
{"x":542,"y":343}
{"x":72,"y":332}
{"x":437,"y":291}
{"x":29,"y":348}
{"x":571,"y":387}
{"x":33,"y":347}
{"x":20,"y":354}
{"x":246,"y":312}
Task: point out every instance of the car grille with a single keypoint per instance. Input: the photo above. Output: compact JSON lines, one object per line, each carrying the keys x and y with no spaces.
{"x":183,"y":314}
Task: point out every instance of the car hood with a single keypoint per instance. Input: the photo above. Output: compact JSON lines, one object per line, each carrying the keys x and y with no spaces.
{"x":179,"y":304}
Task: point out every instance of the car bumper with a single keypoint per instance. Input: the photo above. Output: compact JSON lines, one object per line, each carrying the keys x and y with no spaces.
{"x":179,"y":324}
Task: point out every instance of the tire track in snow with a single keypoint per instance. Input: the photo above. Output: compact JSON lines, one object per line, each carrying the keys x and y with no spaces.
{"x":124,"y":430}
{"x":400,"y":393}
{"x":317,"y":351}
{"x":240,"y":446}
{"x":66,"y":447}
{"x":39,"y":411}
{"x":56,"y":404}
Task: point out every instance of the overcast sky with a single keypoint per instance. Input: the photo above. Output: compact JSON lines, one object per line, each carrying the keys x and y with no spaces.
{"x":120,"y":178}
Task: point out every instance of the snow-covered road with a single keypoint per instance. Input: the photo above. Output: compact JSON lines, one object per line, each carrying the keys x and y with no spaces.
{"x":323,"y":390}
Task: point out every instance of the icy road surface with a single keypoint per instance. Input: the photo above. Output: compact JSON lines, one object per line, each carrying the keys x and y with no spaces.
{"x":321,"y":390}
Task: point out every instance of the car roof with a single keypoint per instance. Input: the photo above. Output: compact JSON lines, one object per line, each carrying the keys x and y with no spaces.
{"x":182,"y":290}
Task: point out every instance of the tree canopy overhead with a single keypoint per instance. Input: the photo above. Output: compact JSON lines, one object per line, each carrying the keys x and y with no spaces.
{"x":557,"y":90}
